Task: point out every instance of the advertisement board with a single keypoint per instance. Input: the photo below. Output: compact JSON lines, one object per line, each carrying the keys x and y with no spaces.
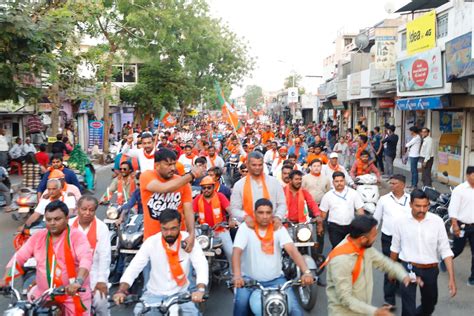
{"x":421,"y":71}
{"x":96,"y":134}
{"x":421,"y":33}
{"x":385,"y":54}
{"x":459,"y":59}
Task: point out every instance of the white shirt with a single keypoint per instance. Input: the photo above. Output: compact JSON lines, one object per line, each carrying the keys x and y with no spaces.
{"x":29,"y":148}
{"x":70,"y":201}
{"x":16,"y":151}
{"x":390,"y":209}
{"x":255,"y":263}
{"x":341,"y":205}
{"x":102,"y":255}
{"x":218,"y":162}
{"x":422,"y":242}
{"x":145,"y":163}
{"x":268,"y":158}
{"x":427,"y":149}
{"x":414,"y":147}
{"x":461,"y":205}
{"x":161,"y":281}
{"x":3,"y":143}
{"x":187,"y":162}
{"x":327,"y":171}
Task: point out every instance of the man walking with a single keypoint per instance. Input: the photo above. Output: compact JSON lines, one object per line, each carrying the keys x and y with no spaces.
{"x":419,"y":240}
{"x":461,"y":213}
{"x":426,"y":157}
{"x":390,"y":150}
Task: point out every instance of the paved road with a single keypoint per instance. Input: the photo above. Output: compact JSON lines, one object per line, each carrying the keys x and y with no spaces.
{"x":220,"y":302}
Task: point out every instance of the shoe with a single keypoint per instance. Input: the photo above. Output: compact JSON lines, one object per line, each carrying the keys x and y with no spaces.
{"x":470,"y":282}
{"x":442,"y":266}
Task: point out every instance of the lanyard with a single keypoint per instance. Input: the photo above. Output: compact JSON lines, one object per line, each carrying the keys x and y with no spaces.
{"x":339,"y":196}
{"x":404,"y":203}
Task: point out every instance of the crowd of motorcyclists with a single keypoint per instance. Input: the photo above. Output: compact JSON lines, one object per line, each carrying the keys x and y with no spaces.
{"x":202,"y":203}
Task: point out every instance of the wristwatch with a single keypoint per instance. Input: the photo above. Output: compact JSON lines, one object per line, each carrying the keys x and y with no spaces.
{"x":307,"y":272}
{"x":202,"y":289}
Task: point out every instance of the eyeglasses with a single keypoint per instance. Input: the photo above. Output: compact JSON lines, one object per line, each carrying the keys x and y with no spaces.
{"x":244,"y":171}
{"x":207,"y":187}
{"x":124,"y":169}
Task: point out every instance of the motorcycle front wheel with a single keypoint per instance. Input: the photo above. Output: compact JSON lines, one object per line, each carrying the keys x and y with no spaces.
{"x":307,"y":295}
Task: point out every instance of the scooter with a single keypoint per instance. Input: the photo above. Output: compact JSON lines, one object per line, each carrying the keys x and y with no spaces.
{"x":369,"y":191}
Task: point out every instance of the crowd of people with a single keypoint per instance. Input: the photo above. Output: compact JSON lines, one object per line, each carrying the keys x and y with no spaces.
{"x":301,"y":174}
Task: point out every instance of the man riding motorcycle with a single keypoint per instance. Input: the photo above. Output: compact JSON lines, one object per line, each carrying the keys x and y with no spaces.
{"x":124,"y":185}
{"x":363,"y":166}
{"x":57,"y":164}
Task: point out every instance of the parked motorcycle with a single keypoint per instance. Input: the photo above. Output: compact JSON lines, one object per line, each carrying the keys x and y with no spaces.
{"x":274,"y":299}
{"x":5,"y":179}
{"x":303,"y":235}
{"x":369,"y":191}
{"x":24,"y":204}
{"x":20,"y":306}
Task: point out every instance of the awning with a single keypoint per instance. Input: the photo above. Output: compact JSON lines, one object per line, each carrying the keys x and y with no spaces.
{"x":423,"y":103}
{"x":337,"y":105}
{"x":417,"y":5}
{"x":327,"y":105}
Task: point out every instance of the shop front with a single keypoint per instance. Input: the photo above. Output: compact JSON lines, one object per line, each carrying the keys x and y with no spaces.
{"x":385,"y":112}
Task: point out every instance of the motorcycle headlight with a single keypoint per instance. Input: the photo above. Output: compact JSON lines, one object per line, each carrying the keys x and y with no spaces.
{"x":203,"y":241}
{"x":14,"y":311}
{"x":112,"y":212}
{"x":275,"y":306}
{"x":303,"y":234}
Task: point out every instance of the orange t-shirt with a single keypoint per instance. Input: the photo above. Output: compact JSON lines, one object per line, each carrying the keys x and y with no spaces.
{"x":154,"y":203}
{"x":267,"y":136}
{"x":180,"y":168}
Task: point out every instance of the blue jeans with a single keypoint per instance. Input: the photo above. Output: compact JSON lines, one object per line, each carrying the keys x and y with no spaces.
{"x":414,"y":170}
{"x":186,"y":309}
{"x":248,"y":300}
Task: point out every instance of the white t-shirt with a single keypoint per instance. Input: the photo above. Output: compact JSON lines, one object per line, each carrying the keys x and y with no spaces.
{"x":341,"y":205}
{"x":187,"y":162}
{"x":255,"y":263}
{"x":70,"y":201}
{"x":145,"y":163}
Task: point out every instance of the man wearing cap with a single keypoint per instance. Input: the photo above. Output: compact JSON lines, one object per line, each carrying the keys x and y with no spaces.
{"x":67,"y":188}
{"x":333,"y":166}
{"x":28,"y":147}
{"x":278,"y":162}
{"x":57,"y":163}
{"x":212,"y":206}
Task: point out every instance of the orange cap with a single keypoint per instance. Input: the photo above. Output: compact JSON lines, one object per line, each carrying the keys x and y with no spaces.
{"x":207,"y":180}
{"x":283,"y":148}
{"x":56,"y":174}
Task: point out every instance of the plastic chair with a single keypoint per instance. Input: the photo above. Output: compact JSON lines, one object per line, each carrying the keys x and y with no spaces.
{"x":16,"y":167}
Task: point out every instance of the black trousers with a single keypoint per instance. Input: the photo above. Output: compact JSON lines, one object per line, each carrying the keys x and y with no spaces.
{"x":460,"y":243}
{"x":429,"y":293}
{"x":379,"y":162}
{"x":426,"y":173}
{"x":337,"y":233}
{"x":389,"y":288}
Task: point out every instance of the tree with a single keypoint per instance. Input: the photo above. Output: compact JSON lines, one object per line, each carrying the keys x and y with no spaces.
{"x":253,"y":96}
{"x":294,"y":81}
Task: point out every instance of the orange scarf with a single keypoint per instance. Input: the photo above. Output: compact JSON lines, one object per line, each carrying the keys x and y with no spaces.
{"x":347,"y":249}
{"x":267,"y":240}
{"x":216,"y":210}
{"x":297,"y":151}
{"x":300,"y":197}
{"x":50,"y":169}
{"x":120,"y":189}
{"x":149,"y":156}
{"x":91,"y":234}
{"x":334,"y":169}
{"x":361,"y":168}
{"x":51,"y":259}
{"x":248,"y":195}
{"x":212,"y":160}
{"x":173,"y":260}
{"x":360,"y":150}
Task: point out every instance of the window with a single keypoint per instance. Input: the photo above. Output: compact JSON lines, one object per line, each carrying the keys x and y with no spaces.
{"x":124,"y":73}
{"x":347,"y":41}
{"x":442,"y":26}
{"x":404,"y":41}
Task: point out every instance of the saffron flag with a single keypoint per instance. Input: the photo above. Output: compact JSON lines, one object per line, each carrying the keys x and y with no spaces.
{"x":167,"y":118}
{"x":13,"y":272}
{"x":228,"y":112}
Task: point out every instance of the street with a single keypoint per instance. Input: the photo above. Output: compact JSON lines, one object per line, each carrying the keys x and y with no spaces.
{"x":220,"y":302}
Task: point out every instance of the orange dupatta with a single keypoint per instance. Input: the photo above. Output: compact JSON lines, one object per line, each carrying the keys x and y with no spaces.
{"x":70,"y":268}
{"x":91,"y":234}
{"x":216,"y":210}
{"x":247,"y":202}
{"x":120,"y":189}
{"x":300,"y":197}
{"x":360,"y":150}
{"x":267,"y":240}
{"x":173,"y":260}
{"x":347,"y":249}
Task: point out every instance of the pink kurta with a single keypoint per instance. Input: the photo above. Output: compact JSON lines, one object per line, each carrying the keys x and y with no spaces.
{"x":81,"y":251}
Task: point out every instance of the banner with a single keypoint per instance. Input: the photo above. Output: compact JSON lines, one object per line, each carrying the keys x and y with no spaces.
{"x":385,"y":53}
{"x":459,"y":59}
{"x":422,"y":71}
{"x":421,"y":33}
{"x":96,"y":134}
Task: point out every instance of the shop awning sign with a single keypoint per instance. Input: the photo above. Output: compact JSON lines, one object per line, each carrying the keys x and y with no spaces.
{"x":425,"y":103}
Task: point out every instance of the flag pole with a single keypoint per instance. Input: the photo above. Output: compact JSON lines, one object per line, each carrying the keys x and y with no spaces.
{"x":51,"y":282}
{"x":13,"y":271}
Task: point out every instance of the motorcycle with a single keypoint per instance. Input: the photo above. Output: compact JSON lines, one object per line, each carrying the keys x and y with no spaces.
{"x":369,"y":191}
{"x":213,"y":250}
{"x":40,"y":306}
{"x":232,"y":165}
{"x":167,"y":307}
{"x":112,"y":215}
{"x":274,"y":299}
{"x":303,"y":235}
{"x":113,"y":151}
{"x":24,"y":204}
{"x":5,"y":179}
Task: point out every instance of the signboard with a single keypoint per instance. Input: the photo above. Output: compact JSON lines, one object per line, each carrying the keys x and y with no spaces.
{"x":293,"y":95}
{"x":96,"y":134}
{"x":419,"y":72}
{"x":86,"y":105}
{"x":385,"y":53}
{"x":421,"y":33}
{"x":446,"y":122}
{"x":386,"y":103}
{"x":52,"y":139}
{"x":459,"y":58}
{"x":426,"y":103}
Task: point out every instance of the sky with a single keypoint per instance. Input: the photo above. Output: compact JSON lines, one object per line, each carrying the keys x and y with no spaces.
{"x":295,"y":35}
